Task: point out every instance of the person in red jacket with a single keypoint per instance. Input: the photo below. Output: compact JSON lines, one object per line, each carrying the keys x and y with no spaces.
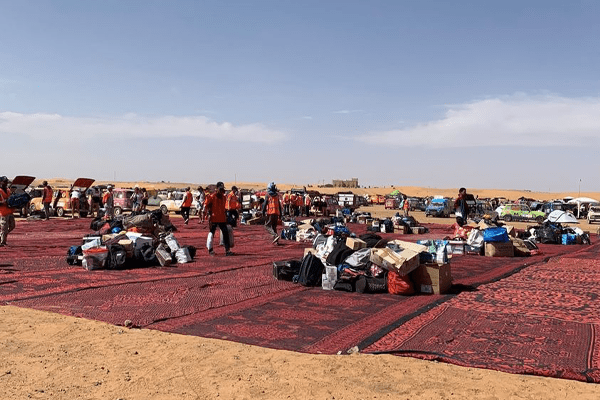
{"x":7,"y":219}
{"x":215,"y":209}
{"x":286,"y":203}
{"x":47,"y":198}
{"x":271,"y":209}
{"x":186,"y":204}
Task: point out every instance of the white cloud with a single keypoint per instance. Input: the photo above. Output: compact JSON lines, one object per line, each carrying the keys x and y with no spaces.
{"x":347,"y":111}
{"x":532,"y":121}
{"x":58,"y":127}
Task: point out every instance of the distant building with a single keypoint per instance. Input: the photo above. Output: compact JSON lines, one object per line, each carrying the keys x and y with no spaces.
{"x":352,"y":183}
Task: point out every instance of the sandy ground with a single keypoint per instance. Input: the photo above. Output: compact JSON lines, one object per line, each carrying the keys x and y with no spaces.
{"x":50,"y":356}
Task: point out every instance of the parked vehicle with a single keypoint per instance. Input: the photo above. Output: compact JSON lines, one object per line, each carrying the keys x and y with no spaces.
{"x":63,"y":205}
{"x":391,"y":203}
{"x":593,"y":214}
{"x":19,"y":185}
{"x":417,"y":203}
{"x":521,"y":212}
{"x":174,"y":203}
{"x":327,"y":206}
{"x":35,"y":205}
{"x":439,"y":208}
{"x":122,"y":200}
{"x":349,"y":200}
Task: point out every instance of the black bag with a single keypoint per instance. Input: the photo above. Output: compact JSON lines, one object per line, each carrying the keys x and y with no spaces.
{"x":345,"y":286}
{"x":145,"y":254}
{"x":18,"y":200}
{"x":339,"y":253}
{"x":548,"y":235}
{"x":311,"y":270}
{"x":97,"y":224}
{"x":117,"y":256}
{"x":370,"y":238}
{"x":286,"y":270}
{"x":369,"y":284}
{"x":389,"y":225}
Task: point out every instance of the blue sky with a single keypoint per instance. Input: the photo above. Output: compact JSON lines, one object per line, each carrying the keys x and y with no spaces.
{"x":430,"y":93}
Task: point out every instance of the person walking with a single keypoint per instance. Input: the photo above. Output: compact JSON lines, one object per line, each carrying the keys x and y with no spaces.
{"x":47,"y":198}
{"x":7,"y":219}
{"x":215,"y":209}
{"x":109,"y":203}
{"x":272,"y":211}
{"x":145,"y":198}
{"x":186,"y":204}
{"x":200,"y":198}
{"x":232,"y":205}
{"x":461,"y":208}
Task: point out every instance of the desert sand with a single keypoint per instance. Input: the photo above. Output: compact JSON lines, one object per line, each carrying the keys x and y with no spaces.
{"x":50,"y":356}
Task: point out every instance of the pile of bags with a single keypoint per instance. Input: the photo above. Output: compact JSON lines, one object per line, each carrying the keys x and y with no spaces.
{"x":368,"y":264}
{"x":132,"y":241}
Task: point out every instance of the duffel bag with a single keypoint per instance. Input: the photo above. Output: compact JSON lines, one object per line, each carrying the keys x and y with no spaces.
{"x":18,"y":200}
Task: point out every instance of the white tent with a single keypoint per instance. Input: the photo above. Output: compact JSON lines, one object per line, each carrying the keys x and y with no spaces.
{"x":582,"y":200}
{"x":562,"y":217}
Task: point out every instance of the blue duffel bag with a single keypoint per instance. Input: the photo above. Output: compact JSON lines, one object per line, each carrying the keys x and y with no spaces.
{"x":497,"y":234}
{"x":18,"y":200}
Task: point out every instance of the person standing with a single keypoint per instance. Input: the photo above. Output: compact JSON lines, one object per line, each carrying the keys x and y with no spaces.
{"x":461,"y":208}
{"x":7,"y":219}
{"x":75,"y":195}
{"x":286,"y":203}
{"x":136,"y":200}
{"x":186,"y":204}
{"x":272,"y":211}
{"x":200,"y":198}
{"x":215,"y":209}
{"x":95,"y":199}
{"x":307,"y":204}
{"x":232,"y":205}
{"x":109,"y":203}
{"x":405,"y":206}
{"x":47,"y":198}
{"x":145,"y":198}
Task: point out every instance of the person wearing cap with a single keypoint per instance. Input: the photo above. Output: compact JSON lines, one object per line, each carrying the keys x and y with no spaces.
{"x":7,"y":219}
{"x":109,"y":203}
{"x":215,"y":209}
{"x":186,"y":204}
{"x":200,"y":198}
{"x":232,"y":205}
{"x":272,"y":211}
{"x":46,"y":198}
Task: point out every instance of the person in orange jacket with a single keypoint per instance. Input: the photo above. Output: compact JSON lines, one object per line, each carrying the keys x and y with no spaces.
{"x":7,"y":219}
{"x":47,"y":198}
{"x":186,"y":204}
{"x":215,"y":209}
{"x":307,"y":204}
{"x":232,"y":205}
{"x":286,"y":203}
{"x":272,"y":211}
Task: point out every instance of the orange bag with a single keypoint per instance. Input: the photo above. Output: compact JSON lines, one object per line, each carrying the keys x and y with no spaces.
{"x":400,"y":284}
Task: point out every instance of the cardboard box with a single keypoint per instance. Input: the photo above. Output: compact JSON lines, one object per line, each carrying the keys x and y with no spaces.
{"x":482,"y":225}
{"x":128,"y":245}
{"x":309,"y":250}
{"x":497,"y":249}
{"x":432,"y":278}
{"x":362,"y":219}
{"x":403,"y":261}
{"x":510,"y":230}
{"x":403,"y":229}
{"x":418,"y":230}
{"x":355,"y":243}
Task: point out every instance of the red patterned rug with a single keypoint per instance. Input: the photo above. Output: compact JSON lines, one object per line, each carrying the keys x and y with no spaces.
{"x":543,"y":320}
{"x":234,"y":298}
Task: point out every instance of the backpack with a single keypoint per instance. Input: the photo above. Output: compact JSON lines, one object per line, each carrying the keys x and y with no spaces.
{"x":389,"y":225}
{"x":339,"y":253}
{"x":145,"y":254}
{"x":286,"y":270}
{"x":311,"y":271}
{"x":117,"y":256}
